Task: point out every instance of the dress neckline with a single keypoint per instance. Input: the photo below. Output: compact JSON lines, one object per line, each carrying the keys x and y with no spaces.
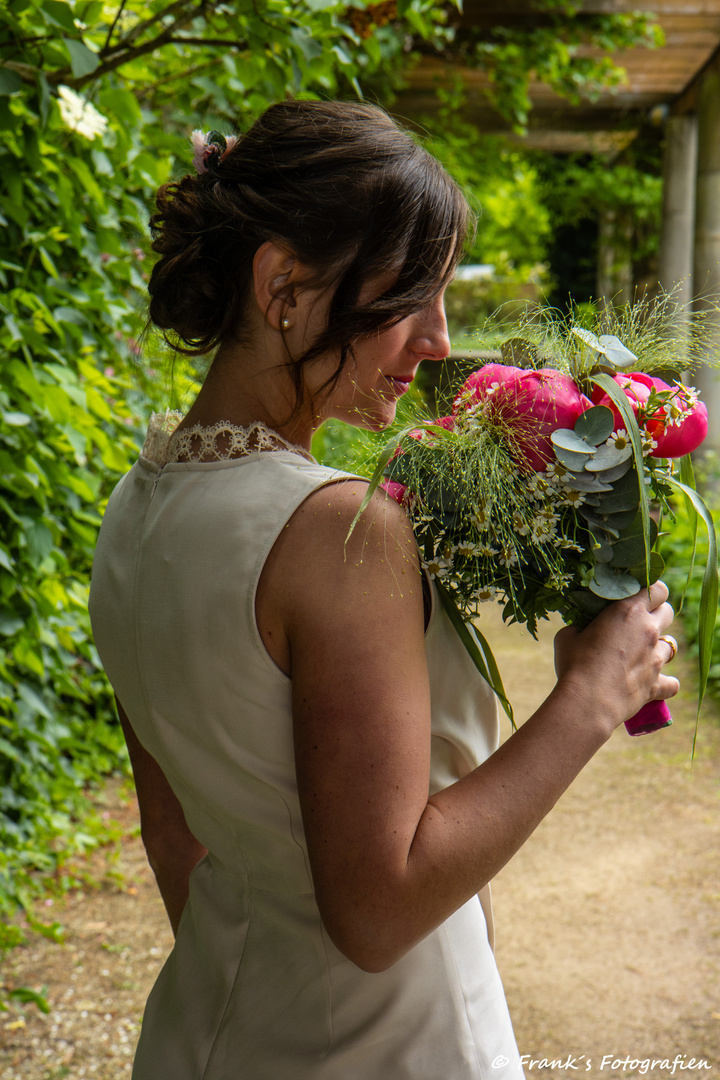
{"x":166,"y":443}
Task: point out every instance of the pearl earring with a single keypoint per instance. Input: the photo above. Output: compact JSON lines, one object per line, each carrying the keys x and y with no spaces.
{"x":285,"y":324}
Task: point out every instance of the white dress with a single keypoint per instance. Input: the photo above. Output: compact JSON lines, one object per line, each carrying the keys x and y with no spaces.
{"x":254,"y":989}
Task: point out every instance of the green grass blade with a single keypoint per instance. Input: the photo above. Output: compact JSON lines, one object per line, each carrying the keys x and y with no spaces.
{"x":478,"y":649}
{"x":376,"y":478}
{"x":687,"y":476}
{"x":708,"y":592}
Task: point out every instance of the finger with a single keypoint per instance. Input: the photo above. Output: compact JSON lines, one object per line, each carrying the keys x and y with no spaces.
{"x":657,"y":595}
{"x":665,"y":616}
{"x":667,"y":687}
{"x":669,"y":640}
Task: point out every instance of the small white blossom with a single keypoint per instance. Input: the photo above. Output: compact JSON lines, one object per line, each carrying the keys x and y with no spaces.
{"x":555,"y":471}
{"x":467,"y":549}
{"x":436,"y":567}
{"x":619,"y":439}
{"x":508,"y":557}
{"x":521,"y":525}
{"x":79,"y":115}
{"x":480,"y":518}
{"x":487,"y":550}
{"x":485,"y":593}
{"x":574,"y":498}
{"x":543,"y":529}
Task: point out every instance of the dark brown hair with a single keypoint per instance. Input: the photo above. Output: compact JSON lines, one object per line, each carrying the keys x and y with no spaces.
{"x":339,"y":184}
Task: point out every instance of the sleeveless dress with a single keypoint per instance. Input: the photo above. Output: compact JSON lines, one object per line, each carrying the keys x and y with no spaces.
{"x":254,"y":989}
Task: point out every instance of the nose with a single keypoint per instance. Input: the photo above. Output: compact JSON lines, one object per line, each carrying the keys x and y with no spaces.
{"x":432,"y":341}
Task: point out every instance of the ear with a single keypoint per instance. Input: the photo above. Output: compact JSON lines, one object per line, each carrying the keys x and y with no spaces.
{"x":276,"y":273}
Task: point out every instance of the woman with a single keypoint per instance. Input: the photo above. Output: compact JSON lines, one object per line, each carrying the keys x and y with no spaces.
{"x":321,"y":793}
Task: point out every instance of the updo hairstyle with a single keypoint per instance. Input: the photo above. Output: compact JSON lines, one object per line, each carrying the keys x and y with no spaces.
{"x":338,"y":184}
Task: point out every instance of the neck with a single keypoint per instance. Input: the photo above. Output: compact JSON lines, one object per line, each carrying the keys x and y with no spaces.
{"x":240,"y":390}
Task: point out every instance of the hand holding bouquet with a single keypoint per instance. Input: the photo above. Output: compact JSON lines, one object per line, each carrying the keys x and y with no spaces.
{"x":536,"y":490}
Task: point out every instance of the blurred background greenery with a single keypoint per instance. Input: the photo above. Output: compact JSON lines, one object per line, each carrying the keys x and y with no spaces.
{"x":97,"y":101}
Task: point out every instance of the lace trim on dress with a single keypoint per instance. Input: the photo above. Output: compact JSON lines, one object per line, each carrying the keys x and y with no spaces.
{"x":215,"y":442}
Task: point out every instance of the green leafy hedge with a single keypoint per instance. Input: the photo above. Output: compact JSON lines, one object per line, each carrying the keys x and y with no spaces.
{"x":96,"y":101}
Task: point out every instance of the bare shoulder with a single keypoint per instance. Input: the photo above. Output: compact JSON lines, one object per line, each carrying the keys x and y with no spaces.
{"x":321,"y":570}
{"x":334,"y":520}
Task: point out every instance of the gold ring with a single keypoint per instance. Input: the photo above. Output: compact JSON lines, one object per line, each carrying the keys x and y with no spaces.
{"x":669,"y":640}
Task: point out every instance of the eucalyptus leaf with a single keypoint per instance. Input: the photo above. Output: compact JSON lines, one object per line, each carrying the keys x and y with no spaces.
{"x":598,"y":521}
{"x":574,"y":462}
{"x":566,"y":439}
{"x":616,"y":352}
{"x":629,"y":551}
{"x":657,"y":566}
{"x":595,"y":425}
{"x":619,"y":522}
{"x":609,"y":476}
{"x":587,"y":337}
{"x":603,"y":550}
{"x":608,"y":457}
{"x":625,"y":409}
{"x":618,"y":502}
{"x":613,"y":586}
{"x":588,"y":602}
{"x":582,"y":481}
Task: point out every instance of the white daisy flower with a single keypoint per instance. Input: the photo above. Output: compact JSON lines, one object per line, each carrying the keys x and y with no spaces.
{"x":466,"y":549}
{"x":619,"y":439}
{"x":436,"y":567}
{"x":487,"y":550}
{"x":480,"y":518}
{"x":521,"y":525}
{"x":485,"y":593}
{"x":555,"y":471}
{"x":542,"y":531}
{"x":508,"y":557}
{"x":567,"y":545}
{"x":573,"y":498}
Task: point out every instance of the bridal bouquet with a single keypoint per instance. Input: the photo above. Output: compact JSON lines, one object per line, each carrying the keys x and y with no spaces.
{"x":546,"y":487}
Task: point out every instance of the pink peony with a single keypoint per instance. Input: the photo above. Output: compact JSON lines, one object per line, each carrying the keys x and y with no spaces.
{"x":542,"y":401}
{"x":395,"y":491}
{"x":675,"y":435}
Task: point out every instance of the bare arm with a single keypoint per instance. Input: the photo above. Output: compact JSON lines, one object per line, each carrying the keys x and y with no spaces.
{"x":172,"y":849}
{"x":389,"y":864}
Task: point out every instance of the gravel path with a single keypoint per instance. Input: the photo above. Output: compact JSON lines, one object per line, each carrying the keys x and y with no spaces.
{"x":608,"y":921}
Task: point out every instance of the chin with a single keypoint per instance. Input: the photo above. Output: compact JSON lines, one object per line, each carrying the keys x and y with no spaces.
{"x":377,"y":416}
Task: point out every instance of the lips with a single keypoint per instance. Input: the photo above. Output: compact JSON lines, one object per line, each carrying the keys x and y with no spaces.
{"x":400,"y":384}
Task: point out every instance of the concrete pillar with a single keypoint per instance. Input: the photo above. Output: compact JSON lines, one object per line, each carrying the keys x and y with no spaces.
{"x":614,"y":263}
{"x":675,"y":270}
{"x":706,"y":278}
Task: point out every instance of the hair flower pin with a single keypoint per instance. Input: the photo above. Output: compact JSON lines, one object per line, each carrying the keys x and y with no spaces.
{"x":210,"y":149}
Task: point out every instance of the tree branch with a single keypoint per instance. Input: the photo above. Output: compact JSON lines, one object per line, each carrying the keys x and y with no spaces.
{"x":233,"y":43}
{"x":179,"y":6}
{"x":118,"y":13}
{"x":128,"y":54}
